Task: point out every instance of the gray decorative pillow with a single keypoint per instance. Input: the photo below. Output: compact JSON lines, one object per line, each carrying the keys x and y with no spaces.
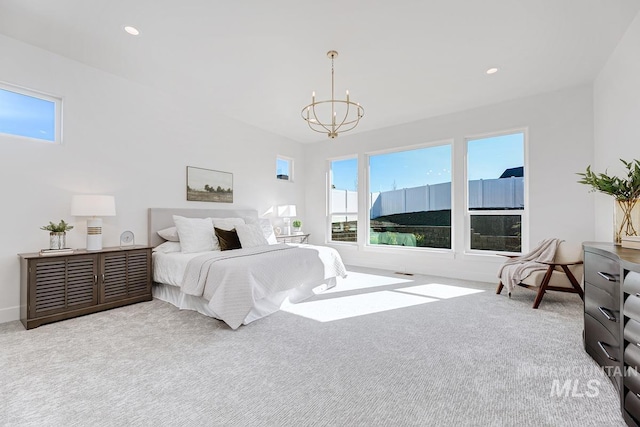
{"x":170,"y":234}
{"x":251,"y":235}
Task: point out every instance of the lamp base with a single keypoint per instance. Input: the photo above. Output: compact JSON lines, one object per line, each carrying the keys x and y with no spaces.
{"x":287,"y":226}
{"x":94,"y":234}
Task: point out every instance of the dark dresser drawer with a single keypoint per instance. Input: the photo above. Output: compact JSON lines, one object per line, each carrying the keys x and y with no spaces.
{"x":632,"y":307}
{"x":632,"y":404}
{"x":632,"y":380}
{"x":632,"y":356}
{"x":601,"y":305}
{"x":601,"y":342}
{"x":632,"y":331}
{"x":632,"y":283}
{"x":601,"y":271}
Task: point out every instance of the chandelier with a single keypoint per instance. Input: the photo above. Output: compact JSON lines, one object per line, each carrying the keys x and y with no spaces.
{"x":332,"y":115}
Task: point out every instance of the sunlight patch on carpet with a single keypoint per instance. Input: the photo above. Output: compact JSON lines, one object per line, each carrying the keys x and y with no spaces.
{"x":437,"y":290}
{"x":328,"y":310}
{"x":355,"y":281}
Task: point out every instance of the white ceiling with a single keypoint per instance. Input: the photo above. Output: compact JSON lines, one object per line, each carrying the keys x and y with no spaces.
{"x":258,"y":61}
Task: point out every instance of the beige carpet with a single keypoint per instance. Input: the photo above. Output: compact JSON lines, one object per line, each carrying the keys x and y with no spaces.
{"x":430,"y":351}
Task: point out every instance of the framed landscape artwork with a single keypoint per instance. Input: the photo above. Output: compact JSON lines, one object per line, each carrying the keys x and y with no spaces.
{"x":205,"y":185}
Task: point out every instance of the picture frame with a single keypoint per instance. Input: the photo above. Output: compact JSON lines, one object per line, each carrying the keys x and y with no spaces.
{"x":207,"y":185}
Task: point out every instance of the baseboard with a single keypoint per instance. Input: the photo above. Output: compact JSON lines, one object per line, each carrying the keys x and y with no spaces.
{"x":9,"y":314}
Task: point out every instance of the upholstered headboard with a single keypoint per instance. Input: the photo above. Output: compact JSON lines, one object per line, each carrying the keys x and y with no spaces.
{"x":161,"y":218}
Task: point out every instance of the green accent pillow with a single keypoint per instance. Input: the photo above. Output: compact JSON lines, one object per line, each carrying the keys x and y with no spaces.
{"x":228,"y":239}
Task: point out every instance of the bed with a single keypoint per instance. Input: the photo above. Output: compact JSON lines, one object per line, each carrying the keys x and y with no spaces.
{"x":236,"y":286}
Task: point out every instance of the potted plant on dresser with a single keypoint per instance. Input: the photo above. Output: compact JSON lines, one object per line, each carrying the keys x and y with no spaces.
{"x":297,"y":225}
{"x":57,"y":234}
{"x":626,"y":192}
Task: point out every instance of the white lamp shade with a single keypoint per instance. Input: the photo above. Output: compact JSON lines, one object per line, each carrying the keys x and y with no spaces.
{"x":93,"y":205}
{"x":287,"y":211}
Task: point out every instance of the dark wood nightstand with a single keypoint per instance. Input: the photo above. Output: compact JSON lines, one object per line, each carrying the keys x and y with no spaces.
{"x":58,"y":287}
{"x":293,"y":238}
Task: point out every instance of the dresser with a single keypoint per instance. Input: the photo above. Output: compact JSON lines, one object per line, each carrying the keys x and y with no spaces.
{"x":612,"y":319}
{"x":58,"y":287}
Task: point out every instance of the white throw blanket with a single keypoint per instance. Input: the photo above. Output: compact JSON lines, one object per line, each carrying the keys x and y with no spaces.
{"x":232,"y":281}
{"x":515,"y":270}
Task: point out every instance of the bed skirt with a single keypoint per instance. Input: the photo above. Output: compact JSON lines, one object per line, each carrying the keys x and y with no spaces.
{"x":264,"y":307}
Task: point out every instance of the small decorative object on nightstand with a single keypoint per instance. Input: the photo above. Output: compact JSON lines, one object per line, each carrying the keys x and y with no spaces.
{"x":297,"y":224}
{"x":293,"y":238}
{"x":127,"y":239}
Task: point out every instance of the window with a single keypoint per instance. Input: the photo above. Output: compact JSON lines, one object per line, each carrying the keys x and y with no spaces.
{"x":495,"y":189}
{"x":410,"y":199}
{"x":30,"y":114}
{"x":284,"y":168}
{"x":343,"y":199}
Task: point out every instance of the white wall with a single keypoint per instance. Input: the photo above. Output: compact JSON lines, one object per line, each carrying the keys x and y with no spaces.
{"x":560,"y":143}
{"x":616,"y":118}
{"x":123,"y":139}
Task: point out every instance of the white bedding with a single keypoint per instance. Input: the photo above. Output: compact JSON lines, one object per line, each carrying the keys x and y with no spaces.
{"x":243,"y":285}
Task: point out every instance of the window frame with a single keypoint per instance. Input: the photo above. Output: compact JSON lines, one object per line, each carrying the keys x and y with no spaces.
{"x":367,"y":223}
{"x":289,"y":160}
{"x":524,"y":213}
{"x":57,"y":101}
{"x":329,"y":213}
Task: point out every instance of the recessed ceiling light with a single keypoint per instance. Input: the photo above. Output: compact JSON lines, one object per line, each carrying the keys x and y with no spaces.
{"x":132,"y":30}
{"x":492,"y":70}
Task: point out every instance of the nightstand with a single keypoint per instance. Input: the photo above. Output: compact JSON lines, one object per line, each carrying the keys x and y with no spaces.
{"x":293,"y":238}
{"x":58,"y":287}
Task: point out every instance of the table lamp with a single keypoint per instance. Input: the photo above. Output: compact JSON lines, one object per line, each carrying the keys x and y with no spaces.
{"x":286,"y":212}
{"x":93,"y":206}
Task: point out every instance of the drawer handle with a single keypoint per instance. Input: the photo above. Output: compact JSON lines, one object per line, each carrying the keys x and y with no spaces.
{"x":607,"y":314}
{"x":608,"y":277}
{"x":606,"y":353}
{"x":95,"y":279}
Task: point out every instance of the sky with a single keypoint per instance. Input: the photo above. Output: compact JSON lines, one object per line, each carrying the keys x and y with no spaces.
{"x":487,"y":159}
{"x":24,"y":115}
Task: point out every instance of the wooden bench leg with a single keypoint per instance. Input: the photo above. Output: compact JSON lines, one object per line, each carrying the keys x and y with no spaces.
{"x":499,"y":288}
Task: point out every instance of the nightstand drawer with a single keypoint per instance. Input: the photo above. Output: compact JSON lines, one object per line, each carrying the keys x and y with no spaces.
{"x":601,"y":271}
{"x":600,"y":305}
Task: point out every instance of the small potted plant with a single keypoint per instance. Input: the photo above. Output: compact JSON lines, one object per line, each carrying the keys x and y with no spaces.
{"x":57,"y":234}
{"x":626,"y":192}
{"x":296,"y":225}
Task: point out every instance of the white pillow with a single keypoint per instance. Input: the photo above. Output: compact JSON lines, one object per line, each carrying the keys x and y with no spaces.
{"x":168,"y":247}
{"x":267,"y":230}
{"x":225,"y":224}
{"x":196,"y":234}
{"x":250,"y":235}
{"x":170,"y":234}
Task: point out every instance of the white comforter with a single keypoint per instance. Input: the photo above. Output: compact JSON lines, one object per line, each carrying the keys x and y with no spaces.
{"x":232,"y":281}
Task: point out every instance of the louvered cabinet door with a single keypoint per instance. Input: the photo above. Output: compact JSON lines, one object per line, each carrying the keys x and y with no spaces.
{"x":61,"y":284}
{"x":125,"y":275}
{"x":58,"y":287}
